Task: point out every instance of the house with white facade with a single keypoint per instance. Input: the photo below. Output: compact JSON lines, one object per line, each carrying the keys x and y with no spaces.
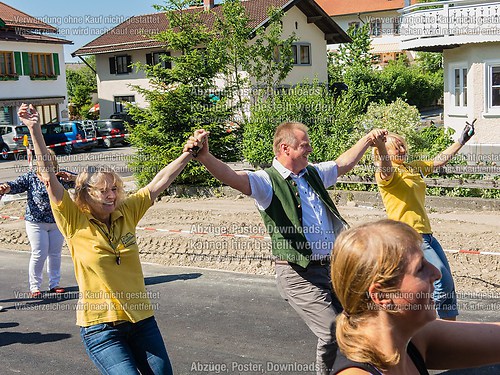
{"x":31,"y":67}
{"x":383,"y":18}
{"x":468,"y":34}
{"x":128,"y":43}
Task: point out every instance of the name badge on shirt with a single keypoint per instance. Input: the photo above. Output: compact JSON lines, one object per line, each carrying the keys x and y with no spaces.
{"x":128,"y":240}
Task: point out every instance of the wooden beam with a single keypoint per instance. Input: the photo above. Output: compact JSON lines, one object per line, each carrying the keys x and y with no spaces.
{"x":331,"y":36}
{"x":314,"y":19}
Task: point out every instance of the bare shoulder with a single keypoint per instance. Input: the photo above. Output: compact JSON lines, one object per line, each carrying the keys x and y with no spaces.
{"x":354,"y":371}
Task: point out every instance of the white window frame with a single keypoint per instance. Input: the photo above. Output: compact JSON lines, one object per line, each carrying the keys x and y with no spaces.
{"x":119,"y":105}
{"x":461,"y":109}
{"x":490,"y":110}
{"x":376,"y":27}
{"x":297,"y":61}
{"x":121,"y":64}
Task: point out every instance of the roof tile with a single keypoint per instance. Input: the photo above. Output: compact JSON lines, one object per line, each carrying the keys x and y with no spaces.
{"x":15,"y":18}
{"x":135,"y":33}
{"x":343,"y":7}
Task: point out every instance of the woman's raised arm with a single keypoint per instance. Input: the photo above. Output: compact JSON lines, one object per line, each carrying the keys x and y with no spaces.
{"x":29,"y":116}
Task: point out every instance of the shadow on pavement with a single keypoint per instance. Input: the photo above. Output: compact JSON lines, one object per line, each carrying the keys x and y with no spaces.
{"x":168,"y":278}
{"x":47,"y":297}
{"x":23,"y":300}
{"x":8,"y":325}
{"x":8,"y":338}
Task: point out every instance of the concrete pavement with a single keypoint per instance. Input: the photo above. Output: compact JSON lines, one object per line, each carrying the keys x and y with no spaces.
{"x":212,"y":322}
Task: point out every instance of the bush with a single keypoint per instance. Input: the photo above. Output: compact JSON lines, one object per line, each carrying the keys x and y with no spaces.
{"x":409,"y":83}
{"x":162,"y":129}
{"x":396,"y":80}
{"x":331,"y":121}
{"x":401,"y":118}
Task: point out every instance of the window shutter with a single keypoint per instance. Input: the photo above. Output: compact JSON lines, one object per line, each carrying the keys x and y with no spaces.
{"x":149,"y":58}
{"x":26,"y":64}
{"x":112,"y":65}
{"x":18,"y":63}
{"x":57,"y":68}
{"x":129,"y":63}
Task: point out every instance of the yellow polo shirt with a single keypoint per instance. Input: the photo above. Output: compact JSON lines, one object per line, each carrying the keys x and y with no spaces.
{"x":404,"y":194}
{"x":108,"y":292}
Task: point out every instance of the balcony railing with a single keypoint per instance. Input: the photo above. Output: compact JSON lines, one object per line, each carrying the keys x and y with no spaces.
{"x":450,"y":22}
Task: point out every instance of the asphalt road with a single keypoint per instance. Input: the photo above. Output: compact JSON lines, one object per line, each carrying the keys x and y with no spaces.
{"x":212,"y":322}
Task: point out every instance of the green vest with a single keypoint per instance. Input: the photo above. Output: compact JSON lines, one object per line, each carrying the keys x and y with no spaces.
{"x":283,"y":217}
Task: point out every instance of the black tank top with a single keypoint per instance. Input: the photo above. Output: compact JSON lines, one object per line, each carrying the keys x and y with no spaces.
{"x":342,"y":363}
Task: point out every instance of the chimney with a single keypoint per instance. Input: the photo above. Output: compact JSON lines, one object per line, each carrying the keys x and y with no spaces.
{"x":208,"y":4}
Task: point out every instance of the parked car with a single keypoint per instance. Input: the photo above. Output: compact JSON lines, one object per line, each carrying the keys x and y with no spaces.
{"x":68,"y":131}
{"x":111,"y":127}
{"x":123,"y":116}
{"x":12,"y":139}
{"x":3,"y":148}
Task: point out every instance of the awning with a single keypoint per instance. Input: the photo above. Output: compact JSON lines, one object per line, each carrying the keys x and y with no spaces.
{"x":385,"y":48}
{"x":34,"y":101}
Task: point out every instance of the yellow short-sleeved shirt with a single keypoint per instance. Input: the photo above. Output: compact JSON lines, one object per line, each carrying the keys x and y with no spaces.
{"x":404,"y":194}
{"x":108,"y":292}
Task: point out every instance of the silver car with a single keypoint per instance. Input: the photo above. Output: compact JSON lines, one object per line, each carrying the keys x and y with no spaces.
{"x":13,"y":139}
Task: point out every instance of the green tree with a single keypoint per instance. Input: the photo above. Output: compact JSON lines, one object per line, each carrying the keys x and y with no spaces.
{"x":271,"y":55}
{"x":404,"y":119}
{"x":184,"y":97}
{"x":351,"y":55}
{"x":234,"y":33}
{"x":180,"y":99}
{"x":399,"y":79}
{"x":81,"y":84}
{"x":419,"y":84}
{"x":332,"y":121}
{"x":430,"y":62}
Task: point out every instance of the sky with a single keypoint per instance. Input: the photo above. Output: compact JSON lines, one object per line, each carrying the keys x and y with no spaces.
{"x":83,"y":21}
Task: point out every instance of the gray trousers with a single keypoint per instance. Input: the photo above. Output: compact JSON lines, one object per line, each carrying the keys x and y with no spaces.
{"x":309,"y":292}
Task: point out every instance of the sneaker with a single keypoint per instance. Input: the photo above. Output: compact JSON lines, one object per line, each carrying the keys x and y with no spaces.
{"x":57,"y":290}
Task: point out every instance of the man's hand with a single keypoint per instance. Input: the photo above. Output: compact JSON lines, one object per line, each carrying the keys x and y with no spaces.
{"x":4,"y":189}
{"x":467,"y":133}
{"x":197,"y":144}
{"x":28,"y":115}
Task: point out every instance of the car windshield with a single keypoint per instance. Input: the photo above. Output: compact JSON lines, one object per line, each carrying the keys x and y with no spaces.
{"x":110,"y":124}
{"x":22,"y":130}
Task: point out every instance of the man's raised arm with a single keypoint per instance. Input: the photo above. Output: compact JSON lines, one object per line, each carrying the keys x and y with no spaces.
{"x":219,"y":169}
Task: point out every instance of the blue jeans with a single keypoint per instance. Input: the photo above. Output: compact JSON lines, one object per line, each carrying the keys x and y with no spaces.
{"x":444,"y":289}
{"x":127,"y":348}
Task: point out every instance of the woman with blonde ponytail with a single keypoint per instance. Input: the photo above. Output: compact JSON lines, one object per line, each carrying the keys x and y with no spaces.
{"x":389,"y":325}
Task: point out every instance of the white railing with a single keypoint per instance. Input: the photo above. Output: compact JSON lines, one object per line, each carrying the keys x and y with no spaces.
{"x":451,"y":18}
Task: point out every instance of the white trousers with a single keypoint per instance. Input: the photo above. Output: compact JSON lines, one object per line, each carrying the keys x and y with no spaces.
{"x":46,"y":242}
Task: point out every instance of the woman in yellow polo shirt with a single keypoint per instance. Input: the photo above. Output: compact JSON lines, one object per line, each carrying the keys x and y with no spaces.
{"x":402,"y":188}
{"x":116,"y":318}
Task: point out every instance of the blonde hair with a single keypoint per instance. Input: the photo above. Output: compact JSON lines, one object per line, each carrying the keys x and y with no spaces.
{"x":90,"y":177}
{"x":362,"y":256}
{"x":284,"y":134}
{"x":391,"y":140}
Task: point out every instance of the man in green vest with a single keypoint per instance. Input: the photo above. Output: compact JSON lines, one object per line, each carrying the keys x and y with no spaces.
{"x":301,"y":219}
